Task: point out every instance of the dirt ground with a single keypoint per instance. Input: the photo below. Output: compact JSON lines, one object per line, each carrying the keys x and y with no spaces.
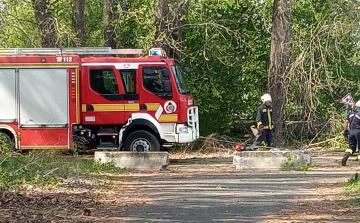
{"x":195,"y":188}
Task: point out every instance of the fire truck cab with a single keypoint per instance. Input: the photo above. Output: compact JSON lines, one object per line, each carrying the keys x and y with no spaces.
{"x":90,"y":98}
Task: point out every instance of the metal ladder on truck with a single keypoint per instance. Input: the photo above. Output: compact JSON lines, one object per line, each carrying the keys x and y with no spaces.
{"x":69,"y":51}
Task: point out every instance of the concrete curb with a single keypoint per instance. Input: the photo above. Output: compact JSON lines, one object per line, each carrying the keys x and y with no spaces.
{"x":134,"y":161}
{"x":287,"y":159}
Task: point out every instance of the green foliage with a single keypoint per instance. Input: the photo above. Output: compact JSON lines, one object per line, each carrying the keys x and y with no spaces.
{"x":91,"y":166}
{"x":227,"y":44}
{"x":304,"y":167}
{"x":353,"y":184}
{"x":289,"y":165}
{"x":324,"y":64}
{"x":46,"y":168}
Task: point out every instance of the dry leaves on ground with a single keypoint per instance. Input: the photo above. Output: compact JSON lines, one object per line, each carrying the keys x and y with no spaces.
{"x":331,"y":204}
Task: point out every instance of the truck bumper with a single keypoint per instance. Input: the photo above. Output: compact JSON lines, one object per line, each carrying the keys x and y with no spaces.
{"x":190,"y":132}
{"x":183,"y":133}
{"x":186,"y":133}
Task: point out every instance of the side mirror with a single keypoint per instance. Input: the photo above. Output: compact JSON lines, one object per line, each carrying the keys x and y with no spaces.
{"x":165,"y":73}
{"x":149,"y":71}
{"x":187,"y":70}
{"x":166,"y":86}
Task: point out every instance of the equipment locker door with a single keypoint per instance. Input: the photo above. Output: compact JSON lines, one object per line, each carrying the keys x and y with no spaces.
{"x":44,"y":108}
{"x":8,"y":95}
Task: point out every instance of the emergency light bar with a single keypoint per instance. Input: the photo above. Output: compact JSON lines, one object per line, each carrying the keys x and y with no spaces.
{"x":157,"y":52}
{"x":76,"y":51}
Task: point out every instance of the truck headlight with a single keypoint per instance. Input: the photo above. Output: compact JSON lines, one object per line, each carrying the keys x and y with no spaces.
{"x":183,"y":129}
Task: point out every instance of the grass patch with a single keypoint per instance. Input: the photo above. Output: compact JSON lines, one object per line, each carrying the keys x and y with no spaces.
{"x":352,"y":201}
{"x":304,"y":167}
{"x":289,"y":164}
{"x":47,"y":168}
{"x":353,"y":184}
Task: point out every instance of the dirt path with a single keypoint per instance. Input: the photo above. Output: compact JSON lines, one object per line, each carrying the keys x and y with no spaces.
{"x":194,"y":190}
{"x":200,"y":190}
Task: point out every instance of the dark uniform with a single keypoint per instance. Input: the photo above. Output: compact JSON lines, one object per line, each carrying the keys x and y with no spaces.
{"x":354,"y":133}
{"x":265,"y":125}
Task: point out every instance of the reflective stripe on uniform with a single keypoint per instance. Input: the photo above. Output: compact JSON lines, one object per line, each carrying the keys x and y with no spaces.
{"x":269,"y":118}
{"x":349,"y":151}
{"x":259,"y":123}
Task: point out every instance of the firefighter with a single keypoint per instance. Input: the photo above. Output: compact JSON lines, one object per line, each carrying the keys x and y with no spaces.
{"x":265,"y":122}
{"x":352,"y":132}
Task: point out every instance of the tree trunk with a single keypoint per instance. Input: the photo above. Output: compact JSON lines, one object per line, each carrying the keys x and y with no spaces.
{"x":78,"y":22}
{"x":46,"y":24}
{"x":124,"y":7}
{"x":279,"y":62}
{"x":110,"y":11}
{"x":179,"y":33}
{"x":161,"y":24}
{"x":168,"y":33}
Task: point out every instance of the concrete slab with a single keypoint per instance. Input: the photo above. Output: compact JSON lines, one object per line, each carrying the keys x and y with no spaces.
{"x":287,"y":159}
{"x":134,"y":161}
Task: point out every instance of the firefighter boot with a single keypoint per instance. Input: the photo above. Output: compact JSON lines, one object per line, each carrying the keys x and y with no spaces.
{"x":345,"y":158}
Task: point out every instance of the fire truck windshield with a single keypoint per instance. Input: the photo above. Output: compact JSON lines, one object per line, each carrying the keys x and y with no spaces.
{"x":179,"y":73}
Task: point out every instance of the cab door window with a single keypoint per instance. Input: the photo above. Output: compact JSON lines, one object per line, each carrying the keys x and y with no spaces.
{"x":156,"y":80}
{"x":103,"y":81}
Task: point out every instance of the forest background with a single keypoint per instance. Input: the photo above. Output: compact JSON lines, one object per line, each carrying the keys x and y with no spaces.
{"x":227,"y":45}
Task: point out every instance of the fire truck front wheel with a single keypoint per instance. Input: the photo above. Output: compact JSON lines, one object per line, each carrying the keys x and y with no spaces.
{"x":141,"y":141}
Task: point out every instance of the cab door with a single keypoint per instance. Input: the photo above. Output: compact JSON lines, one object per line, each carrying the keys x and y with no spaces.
{"x":102,"y":96}
{"x":158,"y":95}
{"x":131,"y":96}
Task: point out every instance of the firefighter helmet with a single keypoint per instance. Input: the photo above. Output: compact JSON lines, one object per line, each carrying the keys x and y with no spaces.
{"x":357,"y":104}
{"x":266,"y":97}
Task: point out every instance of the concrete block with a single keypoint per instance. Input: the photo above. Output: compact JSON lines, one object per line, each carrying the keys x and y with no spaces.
{"x":271,"y":159}
{"x":135,"y":161}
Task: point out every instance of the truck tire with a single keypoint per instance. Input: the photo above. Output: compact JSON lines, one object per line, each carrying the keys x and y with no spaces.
{"x":141,"y":141}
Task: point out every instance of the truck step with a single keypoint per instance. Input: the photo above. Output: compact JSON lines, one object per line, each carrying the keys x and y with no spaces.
{"x":107,"y":146}
{"x":107,"y":133}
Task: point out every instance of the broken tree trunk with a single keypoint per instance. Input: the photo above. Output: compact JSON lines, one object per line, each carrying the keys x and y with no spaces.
{"x":279,"y":62}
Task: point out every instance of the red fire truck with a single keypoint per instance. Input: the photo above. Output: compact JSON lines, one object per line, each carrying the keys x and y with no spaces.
{"x":55,"y":98}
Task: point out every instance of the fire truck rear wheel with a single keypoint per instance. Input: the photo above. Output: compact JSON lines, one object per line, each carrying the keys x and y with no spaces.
{"x":142,"y":141}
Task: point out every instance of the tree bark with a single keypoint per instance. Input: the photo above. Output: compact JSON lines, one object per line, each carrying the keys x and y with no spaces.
{"x":168,"y":33}
{"x":124,"y":7}
{"x":45,"y":23}
{"x":161,"y":24}
{"x":78,"y":23}
{"x":279,"y":62}
{"x":110,"y":12}
{"x":179,"y":32}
